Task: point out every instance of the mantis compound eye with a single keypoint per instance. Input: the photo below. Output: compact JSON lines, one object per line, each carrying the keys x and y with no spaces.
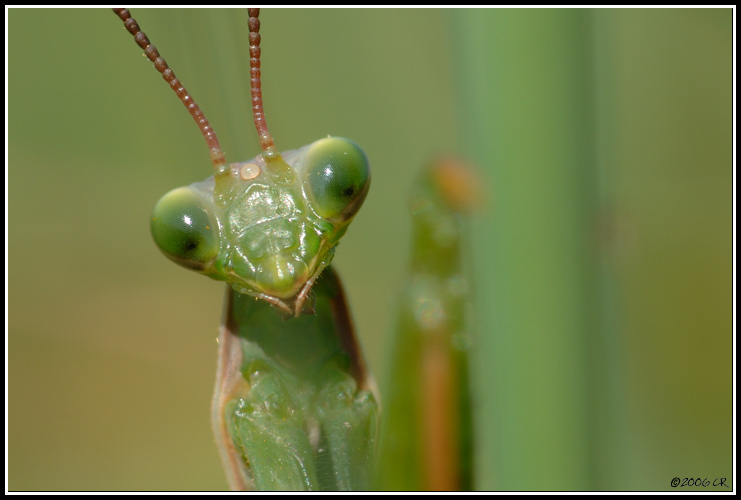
{"x":185,"y":228}
{"x":337,"y":178}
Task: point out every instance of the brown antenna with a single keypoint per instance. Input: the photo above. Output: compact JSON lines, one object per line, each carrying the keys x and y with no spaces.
{"x":266,"y":140}
{"x":217,"y":155}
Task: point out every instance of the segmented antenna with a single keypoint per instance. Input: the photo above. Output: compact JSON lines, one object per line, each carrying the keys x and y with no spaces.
{"x":266,"y":140}
{"x":217,"y":155}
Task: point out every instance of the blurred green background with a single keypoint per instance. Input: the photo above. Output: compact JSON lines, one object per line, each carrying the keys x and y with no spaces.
{"x":602,"y":260}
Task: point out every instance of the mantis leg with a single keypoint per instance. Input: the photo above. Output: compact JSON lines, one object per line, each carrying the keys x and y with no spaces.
{"x":270,"y":430}
{"x":347,"y":419}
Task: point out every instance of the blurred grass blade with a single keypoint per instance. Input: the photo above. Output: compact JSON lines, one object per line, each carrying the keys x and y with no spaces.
{"x":528,"y":118}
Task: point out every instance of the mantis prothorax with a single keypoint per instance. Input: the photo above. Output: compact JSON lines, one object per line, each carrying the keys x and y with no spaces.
{"x":294,"y":406}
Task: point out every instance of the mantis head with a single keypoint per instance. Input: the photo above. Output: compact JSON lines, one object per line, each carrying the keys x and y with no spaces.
{"x":269,"y":226}
{"x":275,"y":233}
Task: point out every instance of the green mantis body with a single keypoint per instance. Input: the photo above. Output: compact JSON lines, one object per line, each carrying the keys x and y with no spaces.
{"x":293,"y":407}
{"x":298,"y":409}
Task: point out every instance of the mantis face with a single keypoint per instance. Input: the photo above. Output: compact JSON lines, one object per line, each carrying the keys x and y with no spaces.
{"x":268,"y":226}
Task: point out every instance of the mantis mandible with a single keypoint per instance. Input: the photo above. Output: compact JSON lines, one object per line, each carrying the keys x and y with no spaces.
{"x":293,"y":405}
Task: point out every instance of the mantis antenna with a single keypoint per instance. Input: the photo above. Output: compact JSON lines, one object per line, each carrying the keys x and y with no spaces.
{"x":266,"y":140}
{"x":217,"y":155}
{"x":272,"y":157}
{"x":274,"y":162}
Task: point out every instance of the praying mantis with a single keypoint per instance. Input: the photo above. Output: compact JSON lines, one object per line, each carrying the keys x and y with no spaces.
{"x":294,"y":406}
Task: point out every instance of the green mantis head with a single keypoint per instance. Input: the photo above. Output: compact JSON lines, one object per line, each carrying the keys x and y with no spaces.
{"x":268,"y":226}
{"x":267,"y":230}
